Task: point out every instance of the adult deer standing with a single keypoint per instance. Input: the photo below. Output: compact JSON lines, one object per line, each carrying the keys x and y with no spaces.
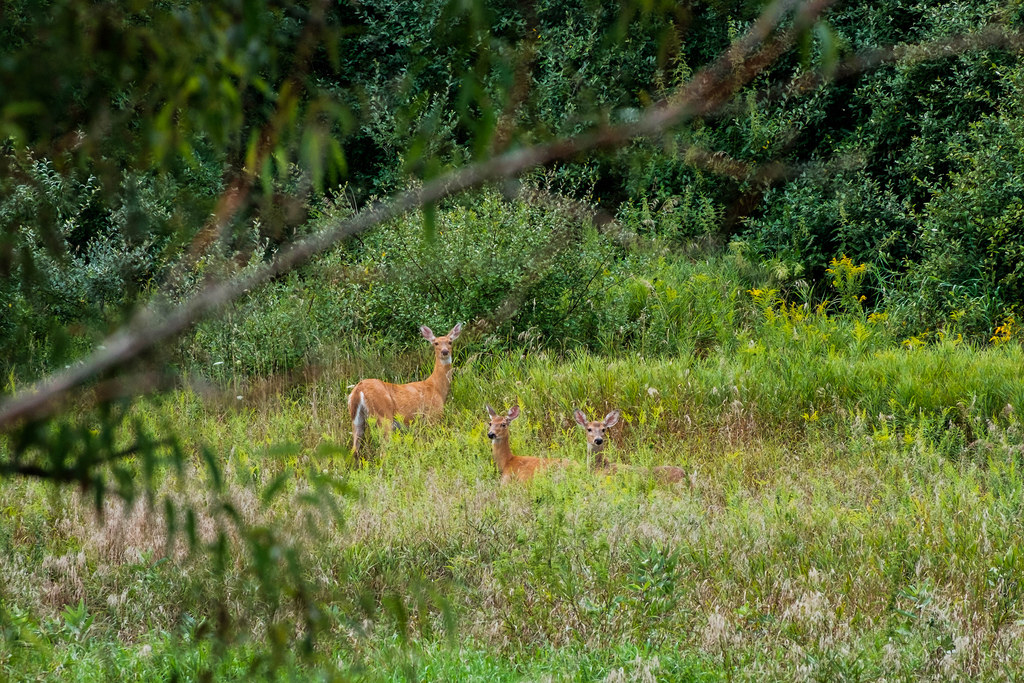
{"x":596,"y":441}
{"x":513,"y":466}
{"x":390,"y":403}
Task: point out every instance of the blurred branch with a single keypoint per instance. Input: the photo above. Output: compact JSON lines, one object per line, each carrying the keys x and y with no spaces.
{"x":80,"y":475}
{"x":770,"y":173}
{"x":989,"y":38}
{"x":993,"y":37}
{"x":708,"y":90}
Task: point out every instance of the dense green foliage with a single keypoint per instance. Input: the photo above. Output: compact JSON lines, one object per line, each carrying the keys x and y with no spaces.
{"x":522,"y":274}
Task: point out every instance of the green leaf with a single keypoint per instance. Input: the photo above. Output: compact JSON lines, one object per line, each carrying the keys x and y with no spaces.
{"x":275,"y":487}
{"x":829,"y":48}
{"x":279,"y":451}
{"x":216,"y":481}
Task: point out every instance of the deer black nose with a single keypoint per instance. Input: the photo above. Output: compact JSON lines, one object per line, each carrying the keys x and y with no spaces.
{"x":444,"y":352}
{"x":490,"y":435}
{"x":599,"y":441}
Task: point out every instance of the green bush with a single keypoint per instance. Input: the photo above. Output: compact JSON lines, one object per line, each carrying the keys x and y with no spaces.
{"x":523,"y":267}
{"x":923,"y":175}
{"x":971,"y":271}
{"x":517,"y":271}
{"x":662,"y":304}
{"x":73,"y":262}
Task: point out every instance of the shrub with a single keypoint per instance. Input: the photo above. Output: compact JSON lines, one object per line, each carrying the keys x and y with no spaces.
{"x":972,"y":266}
{"x":519,"y":265}
{"x":518,"y":270}
{"x":74,"y":263}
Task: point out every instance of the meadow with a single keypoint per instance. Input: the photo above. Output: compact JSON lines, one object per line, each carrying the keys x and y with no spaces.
{"x":852,"y":511}
{"x":783,"y":239}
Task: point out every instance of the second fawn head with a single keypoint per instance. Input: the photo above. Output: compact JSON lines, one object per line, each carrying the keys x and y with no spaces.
{"x":442,"y":345}
{"x":498,"y":427}
{"x":595,"y":430}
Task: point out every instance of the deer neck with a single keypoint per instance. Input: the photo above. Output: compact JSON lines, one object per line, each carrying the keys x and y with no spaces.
{"x":596,"y":455}
{"x":502,"y":453}
{"x":441,"y":377}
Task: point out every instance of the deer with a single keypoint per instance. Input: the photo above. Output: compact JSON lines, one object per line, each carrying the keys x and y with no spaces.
{"x":596,"y":442}
{"x":396,"y":404}
{"x":512,"y":466}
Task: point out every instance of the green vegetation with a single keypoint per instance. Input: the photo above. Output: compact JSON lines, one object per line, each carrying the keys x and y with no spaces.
{"x":852,"y":509}
{"x":808,"y":298}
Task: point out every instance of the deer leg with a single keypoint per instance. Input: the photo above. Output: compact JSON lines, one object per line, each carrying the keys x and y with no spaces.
{"x":357,"y":435}
{"x":386,"y":427}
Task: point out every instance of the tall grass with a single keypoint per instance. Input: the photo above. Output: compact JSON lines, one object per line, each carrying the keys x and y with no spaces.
{"x":853,"y":510}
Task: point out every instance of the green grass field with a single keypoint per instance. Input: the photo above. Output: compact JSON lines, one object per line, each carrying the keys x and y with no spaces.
{"x":852,"y":511}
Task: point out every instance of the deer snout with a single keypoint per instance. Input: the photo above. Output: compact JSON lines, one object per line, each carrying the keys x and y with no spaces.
{"x":445,"y":353}
{"x":598,"y":441}
{"x":491,"y":435}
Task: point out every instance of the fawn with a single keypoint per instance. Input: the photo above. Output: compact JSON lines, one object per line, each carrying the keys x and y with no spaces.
{"x":513,"y":466}
{"x":390,"y":403}
{"x":596,"y":442}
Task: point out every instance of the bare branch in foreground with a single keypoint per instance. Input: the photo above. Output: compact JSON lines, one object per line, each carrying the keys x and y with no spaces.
{"x":773,"y":172}
{"x":988,"y":38}
{"x":992,"y":37}
{"x":708,"y":90}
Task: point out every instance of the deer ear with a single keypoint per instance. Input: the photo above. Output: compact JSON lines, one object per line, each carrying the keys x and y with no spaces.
{"x":611,"y":418}
{"x":513,"y":412}
{"x":456,"y":331}
{"x":581,"y":419}
{"x":490,"y":410}
{"x":427,"y":334}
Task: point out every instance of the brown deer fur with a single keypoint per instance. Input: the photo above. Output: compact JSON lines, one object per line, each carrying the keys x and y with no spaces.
{"x":391,"y":403}
{"x":513,"y":466}
{"x":596,"y":442}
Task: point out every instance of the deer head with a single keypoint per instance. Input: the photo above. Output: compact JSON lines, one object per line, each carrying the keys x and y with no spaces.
{"x":442,"y":345}
{"x":498,"y":428}
{"x":595,"y":430}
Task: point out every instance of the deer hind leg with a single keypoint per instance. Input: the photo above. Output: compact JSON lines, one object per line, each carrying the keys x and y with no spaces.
{"x":357,"y":435}
{"x":360,"y":437}
{"x":360,"y":414}
{"x":383,"y":427}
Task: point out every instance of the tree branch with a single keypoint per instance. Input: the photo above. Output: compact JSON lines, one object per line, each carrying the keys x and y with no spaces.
{"x":992,"y":37}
